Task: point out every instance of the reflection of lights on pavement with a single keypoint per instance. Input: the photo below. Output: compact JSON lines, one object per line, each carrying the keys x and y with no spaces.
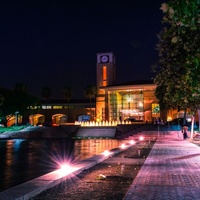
{"x":106,"y":153}
{"x":132,"y":142}
{"x":141,"y":138}
{"x":123,"y":146}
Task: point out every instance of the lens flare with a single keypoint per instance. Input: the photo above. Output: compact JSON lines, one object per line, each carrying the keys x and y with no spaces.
{"x":66,"y":169}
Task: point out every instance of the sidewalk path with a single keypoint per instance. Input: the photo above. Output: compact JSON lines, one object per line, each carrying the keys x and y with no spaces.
{"x":171,"y":171}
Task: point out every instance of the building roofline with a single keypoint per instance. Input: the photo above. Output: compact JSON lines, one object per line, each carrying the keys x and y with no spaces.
{"x":139,"y":84}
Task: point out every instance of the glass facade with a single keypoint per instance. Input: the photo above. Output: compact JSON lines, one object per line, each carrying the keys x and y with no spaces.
{"x":126,"y":104}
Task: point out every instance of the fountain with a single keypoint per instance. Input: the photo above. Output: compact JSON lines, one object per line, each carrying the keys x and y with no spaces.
{"x":101,"y":123}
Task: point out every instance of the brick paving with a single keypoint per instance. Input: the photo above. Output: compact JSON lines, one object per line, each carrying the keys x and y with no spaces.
{"x":170,"y":172}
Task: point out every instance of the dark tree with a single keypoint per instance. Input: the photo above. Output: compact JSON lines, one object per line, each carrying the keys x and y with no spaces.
{"x":178,"y":69}
{"x":90,"y":92}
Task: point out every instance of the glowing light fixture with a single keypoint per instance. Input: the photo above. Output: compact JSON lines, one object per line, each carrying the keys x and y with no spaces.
{"x":140,"y":104}
{"x":65,"y":169}
{"x":123,"y":146}
{"x":141,"y":138}
{"x":106,"y":153}
{"x":169,"y":119}
{"x":132,"y":142}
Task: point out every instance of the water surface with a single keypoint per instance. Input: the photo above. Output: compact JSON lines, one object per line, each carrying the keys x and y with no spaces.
{"x":22,"y":160}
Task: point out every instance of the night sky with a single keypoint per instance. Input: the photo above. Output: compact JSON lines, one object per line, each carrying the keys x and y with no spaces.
{"x":54,"y":43}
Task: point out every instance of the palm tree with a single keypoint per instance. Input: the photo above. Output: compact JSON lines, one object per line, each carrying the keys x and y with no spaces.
{"x":67,"y":95}
{"x":46,"y":94}
{"x":1,"y":99}
{"x":90,"y":92}
{"x":20,"y":100}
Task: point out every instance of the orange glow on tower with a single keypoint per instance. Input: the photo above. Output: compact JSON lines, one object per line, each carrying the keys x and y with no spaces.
{"x":104,"y":75}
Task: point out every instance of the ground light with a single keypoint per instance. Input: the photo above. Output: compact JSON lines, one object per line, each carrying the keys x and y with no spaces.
{"x":132,"y":141}
{"x":65,"y":169}
{"x":141,"y":138}
{"x":106,"y":153}
{"x":123,"y":146}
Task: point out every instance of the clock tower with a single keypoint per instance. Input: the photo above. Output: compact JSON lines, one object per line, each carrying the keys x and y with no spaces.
{"x":105,"y":69}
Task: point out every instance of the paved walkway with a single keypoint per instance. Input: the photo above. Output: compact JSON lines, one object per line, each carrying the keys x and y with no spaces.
{"x":171,"y":171}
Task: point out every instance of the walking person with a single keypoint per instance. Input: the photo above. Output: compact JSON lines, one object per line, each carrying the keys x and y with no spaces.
{"x":185,"y":135}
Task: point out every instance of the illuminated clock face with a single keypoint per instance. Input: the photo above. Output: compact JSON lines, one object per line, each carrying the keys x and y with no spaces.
{"x":104,"y":59}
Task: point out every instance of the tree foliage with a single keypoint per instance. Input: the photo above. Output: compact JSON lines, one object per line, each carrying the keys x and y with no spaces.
{"x":16,"y":99}
{"x":46,"y":93}
{"x":90,"y":92}
{"x":178,"y":68}
{"x":67,"y":92}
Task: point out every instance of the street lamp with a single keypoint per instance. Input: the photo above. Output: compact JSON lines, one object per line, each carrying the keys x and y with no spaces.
{"x":16,"y":118}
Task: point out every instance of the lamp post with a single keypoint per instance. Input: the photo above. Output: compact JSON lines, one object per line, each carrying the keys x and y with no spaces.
{"x":16,"y":118}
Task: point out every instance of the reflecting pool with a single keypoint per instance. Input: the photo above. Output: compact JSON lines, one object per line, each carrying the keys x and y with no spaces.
{"x":22,"y":160}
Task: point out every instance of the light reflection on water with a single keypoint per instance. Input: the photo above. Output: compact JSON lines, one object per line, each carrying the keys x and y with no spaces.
{"x":22,"y":160}
{"x":88,"y":148}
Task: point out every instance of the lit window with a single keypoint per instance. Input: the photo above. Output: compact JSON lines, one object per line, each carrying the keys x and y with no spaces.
{"x":33,"y":107}
{"x":46,"y":107}
{"x":104,"y":73}
{"x":104,"y":76}
{"x":57,"y":107}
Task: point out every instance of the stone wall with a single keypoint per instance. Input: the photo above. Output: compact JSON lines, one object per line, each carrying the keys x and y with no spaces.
{"x":73,"y":131}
